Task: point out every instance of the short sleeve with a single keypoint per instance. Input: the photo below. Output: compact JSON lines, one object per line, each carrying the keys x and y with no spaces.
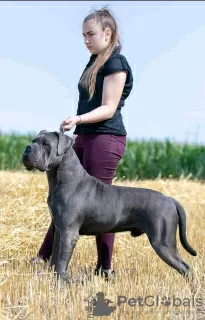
{"x":115,"y":64}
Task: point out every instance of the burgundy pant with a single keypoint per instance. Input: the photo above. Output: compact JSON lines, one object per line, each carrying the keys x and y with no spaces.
{"x":99,"y":154}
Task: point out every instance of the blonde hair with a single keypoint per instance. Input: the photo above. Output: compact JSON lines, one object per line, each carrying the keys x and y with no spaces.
{"x":106,"y":19}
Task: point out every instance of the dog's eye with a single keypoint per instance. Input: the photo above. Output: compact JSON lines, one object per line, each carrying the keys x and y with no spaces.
{"x":45,"y":144}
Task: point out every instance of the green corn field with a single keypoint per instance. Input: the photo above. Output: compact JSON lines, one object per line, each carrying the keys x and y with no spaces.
{"x":142,"y":160}
{"x":164,"y":159}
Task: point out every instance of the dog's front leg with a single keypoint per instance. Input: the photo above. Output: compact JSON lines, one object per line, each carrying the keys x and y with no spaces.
{"x":55,"y":251}
{"x":67,"y":242}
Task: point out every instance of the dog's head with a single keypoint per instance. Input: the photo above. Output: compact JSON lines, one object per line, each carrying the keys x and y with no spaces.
{"x":46,"y":150}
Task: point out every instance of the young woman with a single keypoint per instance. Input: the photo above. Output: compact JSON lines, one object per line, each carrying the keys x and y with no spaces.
{"x":101,"y":136}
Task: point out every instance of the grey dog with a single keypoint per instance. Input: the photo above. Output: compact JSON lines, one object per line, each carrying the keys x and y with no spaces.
{"x":83,"y":205}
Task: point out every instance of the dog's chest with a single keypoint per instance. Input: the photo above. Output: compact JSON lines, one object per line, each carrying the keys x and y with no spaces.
{"x":59,"y":201}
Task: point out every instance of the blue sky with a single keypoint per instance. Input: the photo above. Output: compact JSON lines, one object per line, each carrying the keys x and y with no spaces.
{"x":42,"y":55}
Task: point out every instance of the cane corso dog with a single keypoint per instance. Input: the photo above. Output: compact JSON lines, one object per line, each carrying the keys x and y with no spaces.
{"x":83,"y":205}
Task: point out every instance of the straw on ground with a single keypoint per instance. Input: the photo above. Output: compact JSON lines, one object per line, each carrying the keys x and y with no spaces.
{"x":28,"y":292}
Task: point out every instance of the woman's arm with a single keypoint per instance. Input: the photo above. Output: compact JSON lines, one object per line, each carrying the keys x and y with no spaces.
{"x":113,"y":86}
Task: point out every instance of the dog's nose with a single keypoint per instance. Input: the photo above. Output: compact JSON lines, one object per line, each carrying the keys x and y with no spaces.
{"x":28,"y":148}
{"x":25,"y":156}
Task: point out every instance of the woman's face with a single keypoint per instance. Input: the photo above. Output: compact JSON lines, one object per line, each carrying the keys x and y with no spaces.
{"x":96,"y":40}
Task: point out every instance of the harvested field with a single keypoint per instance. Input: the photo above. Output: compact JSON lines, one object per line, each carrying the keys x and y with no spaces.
{"x":29,"y":292}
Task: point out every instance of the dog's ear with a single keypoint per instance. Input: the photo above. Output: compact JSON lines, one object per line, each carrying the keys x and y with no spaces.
{"x":41,"y":132}
{"x":64,"y":143}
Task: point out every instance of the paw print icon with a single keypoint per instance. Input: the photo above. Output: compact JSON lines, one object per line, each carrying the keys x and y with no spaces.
{"x":166,"y":301}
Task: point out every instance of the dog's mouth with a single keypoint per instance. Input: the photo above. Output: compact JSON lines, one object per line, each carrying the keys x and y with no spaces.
{"x":28,"y":167}
{"x":28,"y":162}
{"x":33,"y":166}
{"x":32,"y":161}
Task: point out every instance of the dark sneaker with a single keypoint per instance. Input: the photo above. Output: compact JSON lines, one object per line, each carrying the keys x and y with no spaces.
{"x":107,"y":276}
{"x":37,"y":260}
{"x":97,"y":272}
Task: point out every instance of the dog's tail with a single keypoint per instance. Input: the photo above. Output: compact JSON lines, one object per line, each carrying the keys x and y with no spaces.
{"x":182,"y":228}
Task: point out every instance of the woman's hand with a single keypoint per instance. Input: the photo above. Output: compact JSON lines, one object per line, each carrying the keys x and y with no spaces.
{"x":68,"y":124}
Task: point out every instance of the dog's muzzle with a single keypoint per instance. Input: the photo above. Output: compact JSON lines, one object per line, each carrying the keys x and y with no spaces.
{"x":31,"y":159}
{"x":26,"y":158}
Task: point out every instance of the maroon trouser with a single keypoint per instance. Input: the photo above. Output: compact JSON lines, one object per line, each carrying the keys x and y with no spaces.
{"x":99,"y":154}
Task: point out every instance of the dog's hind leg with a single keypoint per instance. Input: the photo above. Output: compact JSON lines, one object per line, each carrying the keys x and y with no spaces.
{"x":163,"y":240}
{"x":190,"y":273}
{"x":184,"y":262}
{"x":170,"y":256}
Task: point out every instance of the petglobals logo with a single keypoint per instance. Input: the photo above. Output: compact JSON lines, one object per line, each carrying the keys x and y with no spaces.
{"x":151,"y":301}
{"x":99,"y":305}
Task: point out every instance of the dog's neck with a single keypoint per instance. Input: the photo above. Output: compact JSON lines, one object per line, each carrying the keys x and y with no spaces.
{"x":52,"y":179}
{"x":70,"y":169}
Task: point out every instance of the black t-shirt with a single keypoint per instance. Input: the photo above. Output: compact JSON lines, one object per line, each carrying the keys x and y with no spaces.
{"x":116,"y":62}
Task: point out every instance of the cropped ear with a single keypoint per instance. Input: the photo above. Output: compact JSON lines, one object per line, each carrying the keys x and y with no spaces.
{"x":64,"y":143}
{"x":43,"y":131}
